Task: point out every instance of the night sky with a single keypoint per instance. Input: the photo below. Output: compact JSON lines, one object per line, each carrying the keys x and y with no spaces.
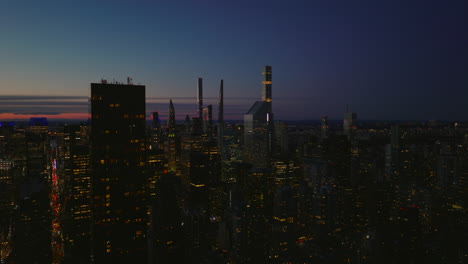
{"x":400,"y":60}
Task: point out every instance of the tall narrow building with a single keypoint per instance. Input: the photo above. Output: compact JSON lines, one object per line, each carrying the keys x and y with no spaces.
{"x":171,"y":139}
{"x":120,"y":215}
{"x":349,"y":123}
{"x":266,"y":92}
{"x":258,"y":126}
{"x":156,"y":131}
{"x":171,"y":118}
{"x":207,"y":120}
{"x":221,"y":116}
{"x":324,"y":127}
{"x":76,"y":225}
{"x":210,"y":115}
{"x":32,"y":238}
{"x":200,"y":97}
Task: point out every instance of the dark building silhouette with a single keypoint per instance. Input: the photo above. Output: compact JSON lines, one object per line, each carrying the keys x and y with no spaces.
{"x":33,"y":223}
{"x":118,"y":163}
{"x":171,"y":141}
{"x":156,"y":131}
{"x":76,"y":196}
{"x":221,"y":116}
{"x":349,"y":123}
{"x":200,"y":97}
{"x":324,"y":127}
{"x":258,"y":126}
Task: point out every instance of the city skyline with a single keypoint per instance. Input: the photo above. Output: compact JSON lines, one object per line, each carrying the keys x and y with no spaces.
{"x":392,"y":60}
{"x":267,"y":131}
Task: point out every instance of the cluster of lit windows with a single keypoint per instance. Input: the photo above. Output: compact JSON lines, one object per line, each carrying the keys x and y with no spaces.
{"x":111,"y":132}
{"x":108,"y":247}
{"x":133,"y":116}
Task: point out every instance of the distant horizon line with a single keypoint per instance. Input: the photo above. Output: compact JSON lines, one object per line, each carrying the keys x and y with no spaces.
{"x":181,"y":120}
{"x":32,"y":97}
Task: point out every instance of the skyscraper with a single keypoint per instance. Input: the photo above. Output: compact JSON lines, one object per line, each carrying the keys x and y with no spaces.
{"x":324,"y":127}
{"x":119,"y":182}
{"x":156,"y":131}
{"x":171,"y":141}
{"x":266,"y":90}
{"x":349,"y":123}
{"x":171,"y":120}
{"x":33,"y":223}
{"x":76,"y":226}
{"x":258,"y":125}
{"x":221,"y":116}
{"x":200,"y":97}
{"x":207,"y":120}
{"x":210,"y":115}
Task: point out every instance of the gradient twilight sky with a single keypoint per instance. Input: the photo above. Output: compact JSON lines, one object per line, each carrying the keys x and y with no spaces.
{"x":400,"y":59}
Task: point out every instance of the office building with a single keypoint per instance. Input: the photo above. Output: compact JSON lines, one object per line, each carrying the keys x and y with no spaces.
{"x":200,"y":97}
{"x":349,"y":123}
{"x":171,"y":139}
{"x":258,"y":126}
{"x":221,"y":116}
{"x":324,"y":127}
{"x":156,"y":132}
{"x":118,"y":163}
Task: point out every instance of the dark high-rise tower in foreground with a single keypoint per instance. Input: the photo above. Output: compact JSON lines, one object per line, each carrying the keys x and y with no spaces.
{"x":117,"y":170}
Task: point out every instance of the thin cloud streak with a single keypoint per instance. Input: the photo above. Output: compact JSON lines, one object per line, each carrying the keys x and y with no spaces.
{"x":18,"y":106}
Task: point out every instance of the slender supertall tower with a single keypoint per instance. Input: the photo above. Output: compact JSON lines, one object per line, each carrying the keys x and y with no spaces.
{"x":266,"y":90}
{"x":210,"y":115}
{"x":187,"y":124}
{"x":221,"y":115}
{"x":200,"y":97}
{"x":156,"y":131}
{"x":266,"y":96}
{"x":258,"y":126}
{"x":171,"y":120}
{"x":208,"y":120}
{"x":324,"y":127}
{"x":171,"y":141}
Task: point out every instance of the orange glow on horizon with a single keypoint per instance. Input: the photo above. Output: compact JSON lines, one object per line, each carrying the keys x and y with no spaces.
{"x":11,"y":116}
